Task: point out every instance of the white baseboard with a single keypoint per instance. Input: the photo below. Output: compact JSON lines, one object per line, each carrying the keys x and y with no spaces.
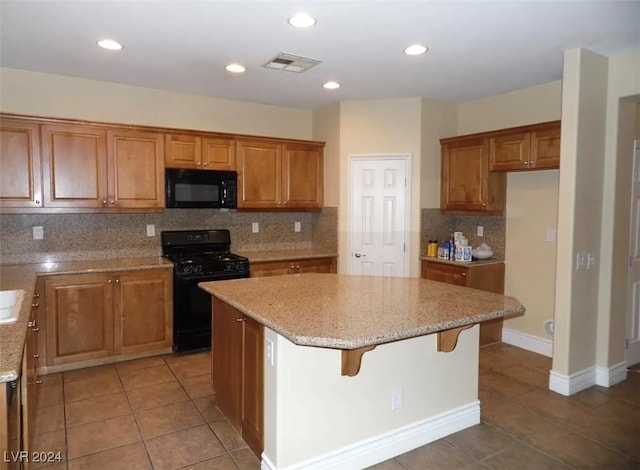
{"x":390,"y":444}
{"x":529,"y":342}
{"x":574,"y":383}
{"x":607,"y":377}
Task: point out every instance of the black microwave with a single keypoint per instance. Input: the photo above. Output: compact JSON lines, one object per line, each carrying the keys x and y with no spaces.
{"x":204,"y":189}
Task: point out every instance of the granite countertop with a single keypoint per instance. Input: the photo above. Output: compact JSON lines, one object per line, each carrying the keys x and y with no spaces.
{"x":24,"y":276}
{"x":285,"y":255}
{"x":462,"y":263}
{"x":348,"y":312}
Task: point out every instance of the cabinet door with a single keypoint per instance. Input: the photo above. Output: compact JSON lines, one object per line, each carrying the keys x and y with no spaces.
{"x":545,"y":148}
{"x":226,"y":359}
{"x":253,"y":384}
{"x":456,"y":275}
{"x":20,"y":170}
{"x":509,"y":152}
{"x":74,"y":166}
{"x":464,"y":175}
{"x":136,"y":169}
{"x":182,"y":151}
{"x":272,"y":268}
{"x":259,"y":174}
{"x":79,"y":317}
{"x":30,"y":379}
{"x":302,"y":176}
{"x":218,"y":154}
{"x":143,"y":309}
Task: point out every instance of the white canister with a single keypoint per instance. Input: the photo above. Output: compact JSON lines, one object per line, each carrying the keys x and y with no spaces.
{"x":466,"y":253}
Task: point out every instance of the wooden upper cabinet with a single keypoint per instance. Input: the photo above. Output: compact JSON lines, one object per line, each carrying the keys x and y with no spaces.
{"x":545,"y":148}
{"x":275,"y":175}
{"x":302,"y":176}
{"x":135,"y":169}
{"x":535,"y":147}
{"x":20,"y":171}
{"x":200,"y":152}
{"x":74,"y":166}
{"x":467,"y":187}
{"x":259,"y":174}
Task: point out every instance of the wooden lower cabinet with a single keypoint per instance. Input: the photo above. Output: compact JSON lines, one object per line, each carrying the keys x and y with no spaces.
{"x":93,"y":316}
{"x":238,"y":373}
{"x":295,"y":266}
{"x":487,"y":276}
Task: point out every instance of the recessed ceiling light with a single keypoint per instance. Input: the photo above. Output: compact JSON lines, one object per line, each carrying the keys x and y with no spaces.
{"x":302,"y":20}
{"x":110,"y":44}
{"x":235,"y":68}
{"x":331,"y":85}
{"x":415,"y":49}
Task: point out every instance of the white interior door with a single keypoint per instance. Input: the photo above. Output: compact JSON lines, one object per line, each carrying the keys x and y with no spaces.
{"x":633,"y":304}
{"x":378,"y":215}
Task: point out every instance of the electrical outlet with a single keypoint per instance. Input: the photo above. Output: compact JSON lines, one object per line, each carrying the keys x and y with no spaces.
{"x":591,"y":261}
{"x":397,"y":399}
{"x":581,"y":261}
{"x":38,"y":233}
{"x":296,"y":226}
{"x":480,"y":230}
{"x":151,"y":230}
{"x":255,"y":227}
{"x":269,"y":352}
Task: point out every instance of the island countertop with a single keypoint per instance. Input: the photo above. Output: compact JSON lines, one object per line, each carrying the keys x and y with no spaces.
{"x":347,"y":312}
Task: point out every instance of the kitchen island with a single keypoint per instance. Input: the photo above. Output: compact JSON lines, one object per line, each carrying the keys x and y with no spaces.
{"x":323,"y":408}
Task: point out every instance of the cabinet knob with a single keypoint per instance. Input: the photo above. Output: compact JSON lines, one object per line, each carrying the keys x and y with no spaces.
{"x":35,"y":305}
{"x":36,"y":356}
{"x":484,"y":204}
{"x":104,"y":201}
{"x":35,"y":329}
{"x":526,"y":163}
{"x":204,"y":164}
{"x":39,"y":381}
{"x":111,"y":201}
{"x":31,"y":324}
{"x":464,"y":274}
{"x":36,"y":295}
{"x":117,"y":281}
{"x":109,"y":281}
{"x":38,"y":201}
{"x":198,"y":163}
{"x":239,"y":320}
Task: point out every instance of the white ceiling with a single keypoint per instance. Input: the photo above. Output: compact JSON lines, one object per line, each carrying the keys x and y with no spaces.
{"x":477,"y":48}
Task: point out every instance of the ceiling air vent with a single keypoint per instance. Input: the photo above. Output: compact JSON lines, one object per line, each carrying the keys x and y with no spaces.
{"x":291,"y":63}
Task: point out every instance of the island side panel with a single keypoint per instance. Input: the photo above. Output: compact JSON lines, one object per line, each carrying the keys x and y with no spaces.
{"x":314,"y":415}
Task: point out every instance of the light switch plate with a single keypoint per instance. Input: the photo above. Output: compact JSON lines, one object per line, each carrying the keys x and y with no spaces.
{"x":551,"y":235}
{"x":255,"y":227}
{"x":480,"y":230}
{"x":151,"y":230}
{"x":269,"y":353}
{"x":296,"y":226}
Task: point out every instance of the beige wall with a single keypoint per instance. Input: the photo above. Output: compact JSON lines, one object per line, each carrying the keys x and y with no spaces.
{"x":312,"y":411}
{"x":32,"y":93}
{"x":580,"y":209}
{"x":376,"y":128}
{"x":532,"y":200}
{"x":326,"y":128}
{"x":623,"y":119}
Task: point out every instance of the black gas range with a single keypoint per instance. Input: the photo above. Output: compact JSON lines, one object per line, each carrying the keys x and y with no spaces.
{"x":198,"y":256}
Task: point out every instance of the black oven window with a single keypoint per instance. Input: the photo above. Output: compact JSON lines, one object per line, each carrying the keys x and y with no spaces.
{"x":197,"y":192}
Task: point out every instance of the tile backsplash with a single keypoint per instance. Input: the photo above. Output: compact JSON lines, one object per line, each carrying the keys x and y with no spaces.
{"x":96,"y":236}
{"x":438,"y":226}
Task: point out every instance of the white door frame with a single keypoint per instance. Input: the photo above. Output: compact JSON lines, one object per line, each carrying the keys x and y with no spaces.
{"x":407,"y":218}
{"x":631,"y":339}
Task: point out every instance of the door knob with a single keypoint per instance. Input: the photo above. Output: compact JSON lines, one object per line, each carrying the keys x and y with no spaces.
{"x":358,"y":255}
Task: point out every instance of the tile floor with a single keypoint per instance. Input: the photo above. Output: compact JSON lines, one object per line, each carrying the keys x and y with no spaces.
{"x":158,"y":413}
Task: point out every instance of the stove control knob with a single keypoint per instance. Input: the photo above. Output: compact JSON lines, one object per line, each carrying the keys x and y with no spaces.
{"x":197,"y":268}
